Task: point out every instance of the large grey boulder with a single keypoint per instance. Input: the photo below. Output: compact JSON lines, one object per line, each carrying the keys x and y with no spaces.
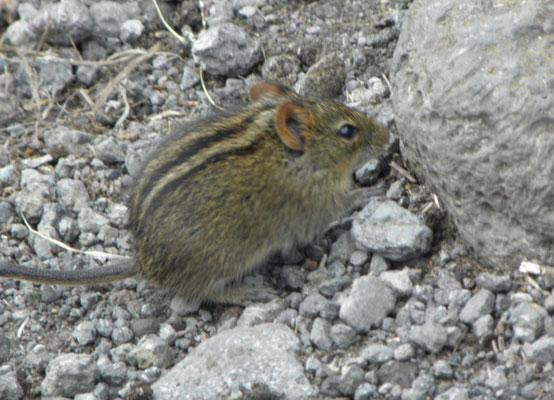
{"x":473,"y":91}
{"x":254,"y":362}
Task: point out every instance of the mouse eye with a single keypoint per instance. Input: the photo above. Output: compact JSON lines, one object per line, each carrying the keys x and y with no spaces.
{"x":347,"y":131}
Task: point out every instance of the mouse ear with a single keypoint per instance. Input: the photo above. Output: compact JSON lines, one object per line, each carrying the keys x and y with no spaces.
{"x":289,"y":123}
{"x":259,"y":90}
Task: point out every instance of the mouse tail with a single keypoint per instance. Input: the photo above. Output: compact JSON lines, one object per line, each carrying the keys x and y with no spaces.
{"x":94,"y":276}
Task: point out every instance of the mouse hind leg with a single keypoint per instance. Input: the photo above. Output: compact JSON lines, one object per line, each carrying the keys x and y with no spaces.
{"x":238,"y":294}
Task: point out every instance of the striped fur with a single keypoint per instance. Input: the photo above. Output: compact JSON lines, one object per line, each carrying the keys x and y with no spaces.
{"x":214,"y":202}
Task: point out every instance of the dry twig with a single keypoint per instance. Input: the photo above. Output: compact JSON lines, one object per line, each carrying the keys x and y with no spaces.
{"x":66,"y":247}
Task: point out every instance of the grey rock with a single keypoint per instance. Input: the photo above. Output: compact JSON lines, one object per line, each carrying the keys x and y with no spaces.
{"x":390,"y":230}
{"x":494,"y":283}
{"x":313,"y":364}
{"x":454,"y":336}
{"x":110,"y":151}
{"x":431,"y":336}
{"x":89,"y":299}
{"x":287,"y":317}
{"x":8,"y":110}
{"x":330,"y":387}
{"x":484,"y":328}
{"x":84,"y":333}
{"x":118,"y":214}
{"x":439,"y":313}
{"x":53,"y":75}
{"x":122,"y":353}
{"x":67,"y":166}
{"x":365,"y":391}
{"x":7,"y":172}
{"x":189,"y":79}
{"x":342,"y":335}
{"x":144,"y":326}
{"x":20,"y":33}
{"x":330,"y":310}
{"x":413,"y":394}
{"x":69,"y":374}
{"x":30,"y":176}
{"x":370,"y":300}
{"x":238,"y":358}
{"x":395,"y":191}
{"x":90,"y":221}
{"x":113,"y":373}
{"x":458,"y":111}
{"x":108,"y":235}
{"x":320,"y":334}
{"x":167,"y":333}
{"x":527,"y":321}
{"x":358,"y":258}
{"x":458,"y":298}
{"x":104,"y":327}
{"x":351,"y":377}
{"x":151,"y":350}
{"x":283,"y":68}
{"x":454,"y":393}
{"x":109,"y":16}
{"x":541,"y":350}
{"x":18,"y":231}
{"x":38,"y":358}
{"x":447,"y":282}
{"x":442,"y":369}
{"x":9,"y":385}
{"x":87,"y":74}
{"x":245,"y":3}
{"x":424,"y":383}
{"x":62,"y":21}
{"x":361,"y":96}
{"x":325,"y":78}
{"x":122,"y":334}
{"x":415,"y":310}
{"x":520,"y":297}
{"x":30,"y":199}
{"x":248,"y":11}
{"x":398,"y":373}
{"x":131,"y":30}
{"x":67,"y":229}
{"x":312,"y":305}
{"x":293,"y":276}
{"x":331,"y":286}
{"x":399,"y":281}
{"x":404,"y":352}
{"x":378,"y":264}
{"x":341,"y":249}
{"x":219,"y":11}
{"x":255,"y":314}
{"x":42,"y":247}
{"x":336,"y":269}
{"x":481,"y":303}
{"x":72,"y":194}
{"x":548,"y":302}
{"x":61,"y":141}
{"x":226,"y":49}
{"x":377,"y":353}
{"x":369,"y":172}
{"x":497,"y":378}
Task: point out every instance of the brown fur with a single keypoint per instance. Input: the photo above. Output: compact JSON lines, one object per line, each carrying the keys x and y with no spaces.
{"x":214,"y":202}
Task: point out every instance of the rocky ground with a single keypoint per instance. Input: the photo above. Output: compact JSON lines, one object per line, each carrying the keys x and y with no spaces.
{"x":412,"y":317}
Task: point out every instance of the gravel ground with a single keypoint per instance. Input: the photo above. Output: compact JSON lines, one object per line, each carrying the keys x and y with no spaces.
{"x":412,"y":317}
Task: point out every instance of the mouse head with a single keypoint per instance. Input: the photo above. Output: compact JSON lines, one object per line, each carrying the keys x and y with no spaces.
{"x":323,"y":132}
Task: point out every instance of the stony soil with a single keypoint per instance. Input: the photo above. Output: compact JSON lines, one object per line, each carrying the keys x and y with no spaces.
{"x":448,"y":328}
